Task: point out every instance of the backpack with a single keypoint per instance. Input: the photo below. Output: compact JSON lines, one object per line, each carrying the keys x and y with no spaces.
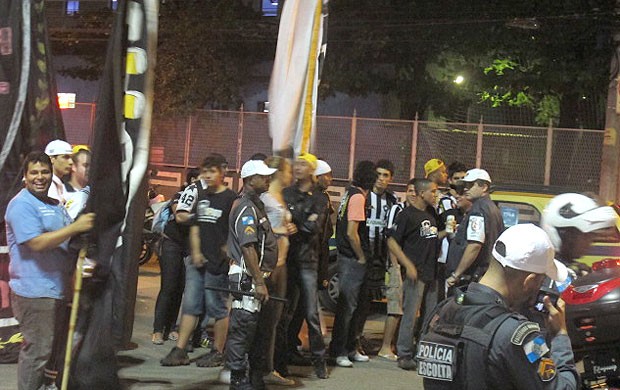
{"x":162,"y":216}
{"x":449,"y":351}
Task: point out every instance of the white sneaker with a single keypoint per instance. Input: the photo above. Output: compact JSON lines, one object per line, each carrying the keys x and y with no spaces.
{"x":224,"y":376}
{"x":358,"y":357}
{"x":343,"y":361}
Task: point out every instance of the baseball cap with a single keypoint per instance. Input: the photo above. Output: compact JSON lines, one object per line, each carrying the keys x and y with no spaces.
{"x":322,"y":168}
{"x":527,"y":247}
{"x":309,"y":158}
{"x":432,"y":165}
{"x":57,"y":147}
{"x":78,"y":148}
{"x":256,"y":167}
{"x":476,"y":174}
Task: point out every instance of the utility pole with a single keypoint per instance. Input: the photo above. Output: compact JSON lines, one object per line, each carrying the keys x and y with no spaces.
{"x":610,"y":169}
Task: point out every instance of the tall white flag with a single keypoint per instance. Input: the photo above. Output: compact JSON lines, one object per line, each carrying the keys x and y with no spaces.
{"x":294,"y":79}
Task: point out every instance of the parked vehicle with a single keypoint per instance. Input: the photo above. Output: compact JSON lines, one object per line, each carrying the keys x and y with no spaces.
{"x":150,"y":239}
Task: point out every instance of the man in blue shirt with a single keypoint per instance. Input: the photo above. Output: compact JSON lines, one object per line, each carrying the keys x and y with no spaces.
{"x":38,"y":230}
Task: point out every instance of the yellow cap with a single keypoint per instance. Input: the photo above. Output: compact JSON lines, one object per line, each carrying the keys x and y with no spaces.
{"x":432,"y":165}
{"x":309,"y":158}
{"x":77,"y":148}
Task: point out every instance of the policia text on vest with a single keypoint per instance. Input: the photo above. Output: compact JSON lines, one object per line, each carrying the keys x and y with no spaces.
{"x":436,"y":360}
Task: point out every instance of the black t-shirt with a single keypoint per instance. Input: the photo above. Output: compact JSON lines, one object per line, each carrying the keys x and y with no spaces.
{"x":174,"y":231}
{"x":416,"y":232}
{"x":212,"y":212}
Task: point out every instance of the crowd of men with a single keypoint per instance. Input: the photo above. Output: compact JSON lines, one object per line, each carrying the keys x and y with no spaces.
{"x":254,"y":262}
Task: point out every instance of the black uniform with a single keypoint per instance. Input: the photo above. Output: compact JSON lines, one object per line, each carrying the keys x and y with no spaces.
{"x":483,"y":224}
{"x":249,"y":225}
{"x":475,"y":341}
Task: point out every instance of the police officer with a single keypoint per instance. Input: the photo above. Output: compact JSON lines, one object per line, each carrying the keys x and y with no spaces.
{"x":569,"y":219}
{"x":477,"y":339}
{"x":253,"y":250}
{"x":470,"y":250}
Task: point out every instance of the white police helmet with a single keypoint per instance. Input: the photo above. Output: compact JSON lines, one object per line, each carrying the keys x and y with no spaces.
{"x":578,"y":211}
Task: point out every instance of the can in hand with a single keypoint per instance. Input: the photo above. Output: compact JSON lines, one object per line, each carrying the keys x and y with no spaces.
{"x":450,"y":224}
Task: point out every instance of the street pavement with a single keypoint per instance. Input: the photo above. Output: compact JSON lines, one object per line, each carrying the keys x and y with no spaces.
{"x":140,"y":368}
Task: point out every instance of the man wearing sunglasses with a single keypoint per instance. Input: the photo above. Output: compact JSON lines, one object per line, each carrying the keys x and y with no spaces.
{"x":469,"y":252}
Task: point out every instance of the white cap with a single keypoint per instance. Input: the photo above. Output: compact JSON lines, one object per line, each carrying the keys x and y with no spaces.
{"x":256,"y":167}
{"x":57,"y":147}
{"x":476,"y":174}
{"x":322,"y":168}
{"x":527,"y":247}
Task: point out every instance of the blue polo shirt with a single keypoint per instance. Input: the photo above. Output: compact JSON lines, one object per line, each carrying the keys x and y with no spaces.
{"x":33,"y":274}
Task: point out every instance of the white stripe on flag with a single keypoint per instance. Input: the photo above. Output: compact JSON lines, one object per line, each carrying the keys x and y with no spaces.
{"x":288,"y":78}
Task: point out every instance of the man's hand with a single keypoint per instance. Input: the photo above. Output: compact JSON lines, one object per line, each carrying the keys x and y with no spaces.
{"x":556,"y":320}
{"x":291,"y":228}
{"x":452,"y":279}
{"x":412,"y":273}
{"x":84,"y":223}
{"x":198,"y":260}
{"x":261,"y":292}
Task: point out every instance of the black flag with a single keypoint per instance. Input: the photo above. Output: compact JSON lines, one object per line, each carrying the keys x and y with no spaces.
{"x":118,"y":196}
{"x":29,"y":113}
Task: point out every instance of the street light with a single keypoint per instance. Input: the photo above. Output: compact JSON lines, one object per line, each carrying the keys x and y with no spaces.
{"x":459,"y":79}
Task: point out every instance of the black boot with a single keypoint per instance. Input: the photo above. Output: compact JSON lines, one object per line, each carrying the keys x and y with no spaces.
{"x":256,"y":379}
{"x":320,"y":368}
{"x":239,"y":381}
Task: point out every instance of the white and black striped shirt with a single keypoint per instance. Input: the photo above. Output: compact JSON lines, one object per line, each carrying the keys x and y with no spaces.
{"x":378,"y":207}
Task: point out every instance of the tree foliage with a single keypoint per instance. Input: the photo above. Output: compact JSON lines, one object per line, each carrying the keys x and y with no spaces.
{"x":509,"y":52}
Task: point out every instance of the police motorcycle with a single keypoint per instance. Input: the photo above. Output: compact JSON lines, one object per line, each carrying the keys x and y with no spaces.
{"x":593,"y":297}
{"x":592,"y":318}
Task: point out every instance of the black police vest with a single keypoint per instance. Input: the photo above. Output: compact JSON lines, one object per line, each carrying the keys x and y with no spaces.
{"x":453,"y":349}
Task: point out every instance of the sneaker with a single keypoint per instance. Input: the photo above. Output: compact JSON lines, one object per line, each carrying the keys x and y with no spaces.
{"x":343,"y":361}
{"x":157,"y":338}
{"x":274,"y":378}
{"x":407,"y":364}
{"x":224,"y":376}
{"x":320,"y":368}
{"x":358,"y":357}
{"x":211,"y":359}
{"x":173,"y":336}
{"x":176,"y":357}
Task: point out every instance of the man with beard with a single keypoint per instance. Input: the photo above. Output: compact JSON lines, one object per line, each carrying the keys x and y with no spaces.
{"x":502,"y":349}
{"x":38,"y":233}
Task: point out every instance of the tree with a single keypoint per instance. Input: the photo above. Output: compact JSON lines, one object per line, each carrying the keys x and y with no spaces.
{"x":540,"y":55}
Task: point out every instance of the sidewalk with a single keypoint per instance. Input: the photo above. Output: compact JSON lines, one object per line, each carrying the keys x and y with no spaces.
{"x":140,"y":368}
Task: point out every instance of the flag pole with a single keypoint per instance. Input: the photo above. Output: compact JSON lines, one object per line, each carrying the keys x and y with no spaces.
{"x":75,"y":304}
{"x":312,"y":59}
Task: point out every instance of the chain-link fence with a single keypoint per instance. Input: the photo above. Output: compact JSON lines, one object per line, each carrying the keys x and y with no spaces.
{"x":511,"y":154}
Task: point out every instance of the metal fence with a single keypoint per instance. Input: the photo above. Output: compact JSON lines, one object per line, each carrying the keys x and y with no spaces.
{"x":511,"y":154}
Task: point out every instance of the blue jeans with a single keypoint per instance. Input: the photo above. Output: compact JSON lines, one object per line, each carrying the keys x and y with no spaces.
{"x":198,"y":299}
{"x":303,"y":291}
{"x":351,"y":276}
{"x":413,"y":292}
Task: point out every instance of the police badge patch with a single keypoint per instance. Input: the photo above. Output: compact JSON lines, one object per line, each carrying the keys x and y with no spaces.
{"x":535,"y":349}
{"x":546,"y":369}
{"x":524,"y":330}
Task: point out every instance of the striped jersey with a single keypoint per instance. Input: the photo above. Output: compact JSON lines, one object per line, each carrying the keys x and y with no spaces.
{"x":377,"y":208}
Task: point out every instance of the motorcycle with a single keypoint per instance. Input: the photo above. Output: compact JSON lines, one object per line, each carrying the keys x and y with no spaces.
{"x":593,"y":317}
{"x":150,"y":239}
